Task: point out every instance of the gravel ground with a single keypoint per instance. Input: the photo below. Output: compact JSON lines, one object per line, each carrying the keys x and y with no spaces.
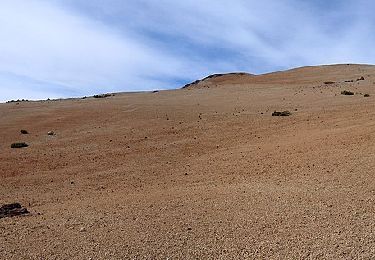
{"x":204,"y":172}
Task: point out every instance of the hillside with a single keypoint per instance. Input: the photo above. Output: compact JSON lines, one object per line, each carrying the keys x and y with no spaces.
{"x":201,"y":172}
{"x":303,"y":75}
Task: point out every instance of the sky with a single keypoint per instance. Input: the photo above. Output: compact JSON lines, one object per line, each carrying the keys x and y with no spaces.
{"x":73,"y":48}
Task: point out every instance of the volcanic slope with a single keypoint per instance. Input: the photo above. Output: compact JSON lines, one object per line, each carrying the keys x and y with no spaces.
{"x":201,"y":172}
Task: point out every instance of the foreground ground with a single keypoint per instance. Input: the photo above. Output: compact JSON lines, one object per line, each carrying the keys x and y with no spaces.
{"x":200,"y":173}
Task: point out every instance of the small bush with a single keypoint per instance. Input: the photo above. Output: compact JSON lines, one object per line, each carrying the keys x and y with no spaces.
{"x":103,"y":95}
{"x":18,"y":100}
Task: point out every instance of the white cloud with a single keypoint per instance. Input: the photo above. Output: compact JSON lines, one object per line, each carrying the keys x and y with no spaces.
{"x":60,"y":48}
{"x":43,"y":44}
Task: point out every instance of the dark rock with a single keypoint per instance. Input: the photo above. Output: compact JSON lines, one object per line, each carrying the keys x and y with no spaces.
{"x":366,"y":95}
{"x":361,"y":78}
{"x":19,"y":145}
{"x":24,"y":132}
{"x":329,"y":82}
{"x":347,"y":93}
{"x":282,"y":113}
{"x":12,"y":210}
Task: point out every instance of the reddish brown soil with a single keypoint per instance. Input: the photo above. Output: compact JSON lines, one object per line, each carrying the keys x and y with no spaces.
{"x":200,"y":173}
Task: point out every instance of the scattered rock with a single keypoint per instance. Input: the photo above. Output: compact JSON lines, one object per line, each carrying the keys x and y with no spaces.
{"x":51,"y":133}
{"x":19,"y":145}
{"x":366,"y":95}
{"x":349,"y":81}
{"x":347,"y":93}
{"x":82,"y":229}
{"x":282,"y":113}
{"x":24,"y":132}
{"x":329,"y":82}
{"x":12,"y":210}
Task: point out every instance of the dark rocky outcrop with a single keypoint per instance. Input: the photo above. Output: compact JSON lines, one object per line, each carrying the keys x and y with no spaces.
{"x":212,"y":77}
{"x":12,"y":210}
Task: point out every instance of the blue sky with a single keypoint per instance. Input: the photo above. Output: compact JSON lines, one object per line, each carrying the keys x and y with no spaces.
{"x":71,"y":48}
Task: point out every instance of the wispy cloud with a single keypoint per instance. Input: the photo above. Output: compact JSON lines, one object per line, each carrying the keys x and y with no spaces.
{"x":61,"y":48}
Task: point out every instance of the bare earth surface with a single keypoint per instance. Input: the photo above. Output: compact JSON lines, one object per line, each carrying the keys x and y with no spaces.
{"x":203,"y":172}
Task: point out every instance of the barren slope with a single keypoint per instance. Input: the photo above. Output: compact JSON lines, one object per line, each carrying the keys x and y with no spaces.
{"x":200,"y":172}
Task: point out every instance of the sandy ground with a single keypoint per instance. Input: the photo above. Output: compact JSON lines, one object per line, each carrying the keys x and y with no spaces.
{"x":199,"y":173}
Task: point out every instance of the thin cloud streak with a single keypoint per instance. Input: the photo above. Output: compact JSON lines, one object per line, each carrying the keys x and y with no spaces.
{"x":73,"y":48}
